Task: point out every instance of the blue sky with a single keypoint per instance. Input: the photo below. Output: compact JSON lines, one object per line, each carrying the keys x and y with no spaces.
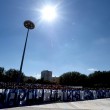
{"x":77,"y":40}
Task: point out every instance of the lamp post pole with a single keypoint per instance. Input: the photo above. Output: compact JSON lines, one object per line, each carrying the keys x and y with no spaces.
{"x":29,"y":25}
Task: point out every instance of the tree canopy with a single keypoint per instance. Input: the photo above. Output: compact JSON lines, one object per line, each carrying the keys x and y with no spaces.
{"x":73,"y":79}
{"x":96,"y":79}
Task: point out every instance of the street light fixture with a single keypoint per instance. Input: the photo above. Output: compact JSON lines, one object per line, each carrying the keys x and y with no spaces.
{"x":29,"y":25}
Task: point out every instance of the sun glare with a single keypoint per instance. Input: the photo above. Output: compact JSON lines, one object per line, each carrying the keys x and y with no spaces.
{"x":49,"y":13}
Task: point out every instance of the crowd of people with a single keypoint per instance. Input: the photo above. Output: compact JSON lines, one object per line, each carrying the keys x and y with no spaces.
{"x":13,"y":85}
{"x":13,"y":94}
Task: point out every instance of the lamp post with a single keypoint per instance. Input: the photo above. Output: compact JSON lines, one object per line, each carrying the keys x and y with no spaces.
{"x":29,"y":25}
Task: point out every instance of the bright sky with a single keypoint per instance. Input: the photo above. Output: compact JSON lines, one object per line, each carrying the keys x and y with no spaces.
{"x":78,"y":39}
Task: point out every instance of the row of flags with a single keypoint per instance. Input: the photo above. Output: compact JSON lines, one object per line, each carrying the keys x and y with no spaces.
{"x":24,"y":97}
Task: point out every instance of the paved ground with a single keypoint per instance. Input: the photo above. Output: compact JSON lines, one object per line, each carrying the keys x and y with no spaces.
{"x":99,"y":104}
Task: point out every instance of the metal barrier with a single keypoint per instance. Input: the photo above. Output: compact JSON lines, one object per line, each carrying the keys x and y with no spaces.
{"x":24,"y":97}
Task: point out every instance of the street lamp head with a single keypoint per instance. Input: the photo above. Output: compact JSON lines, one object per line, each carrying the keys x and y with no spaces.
{"x":29,"y":24}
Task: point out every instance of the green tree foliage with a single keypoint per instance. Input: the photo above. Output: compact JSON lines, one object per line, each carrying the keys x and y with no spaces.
{"x":30,"y":80}
{"x":83,"y":80}
{"x":1,"y":74}
{"x":99,"y":79}
{"x":73,"y":78}
{"x":13,"y":75}
{"x":41,"y":81}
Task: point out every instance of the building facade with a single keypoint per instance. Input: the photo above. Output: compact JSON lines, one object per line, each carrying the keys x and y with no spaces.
{"x":46,"y":75}
{"x":55,"y":80}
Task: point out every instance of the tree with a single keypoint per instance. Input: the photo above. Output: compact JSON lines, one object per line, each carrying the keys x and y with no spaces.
{"x":1,"y":74}
{"x":83,"y":80}
{"x":13,"y":75}
{"x":70,"y":78}
{"x":30,"y":80}
{"x":99,"y":79}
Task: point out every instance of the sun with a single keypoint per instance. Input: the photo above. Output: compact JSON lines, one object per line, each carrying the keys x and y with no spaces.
{"x":49,"y":13}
